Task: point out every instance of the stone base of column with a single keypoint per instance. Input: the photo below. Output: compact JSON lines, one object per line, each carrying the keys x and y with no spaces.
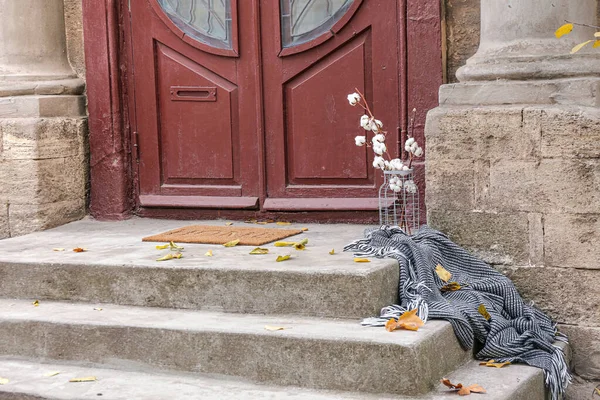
{"x":43,"y":155}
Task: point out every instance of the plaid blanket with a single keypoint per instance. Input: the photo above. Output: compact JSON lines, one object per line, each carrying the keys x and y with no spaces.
{"x":515,"y":331}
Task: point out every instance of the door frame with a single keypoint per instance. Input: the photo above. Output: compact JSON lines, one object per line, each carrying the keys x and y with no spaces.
{"x":112,"y":141}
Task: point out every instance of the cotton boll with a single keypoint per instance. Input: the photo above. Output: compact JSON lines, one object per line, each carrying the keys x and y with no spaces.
{"x":353,"y":99}
{"x":365,"y":122}
{"x":360,"y":140}
{"x":418,"y":152}
{"x":378,"y":138}
{"x":379,"y":162}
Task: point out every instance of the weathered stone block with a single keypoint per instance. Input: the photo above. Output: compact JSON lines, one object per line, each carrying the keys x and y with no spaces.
{"x":496,"y":238}
{"x":4,"y":227}
{"x":571,"y":240}
{"x":35,"y":138}
{"x":551,"y":185}
{"x":581,"y":389}
{"x":568,"y":295}
{"x":570,"y":133}
{"x":43,"y":181}
{"x":585,"y":342}
{"x":42,"y":106}
{"x":450,"y":184}
{"x":26,"y":218}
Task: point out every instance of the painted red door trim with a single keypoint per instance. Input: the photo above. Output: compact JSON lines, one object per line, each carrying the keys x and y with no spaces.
{"x":112,"y":194}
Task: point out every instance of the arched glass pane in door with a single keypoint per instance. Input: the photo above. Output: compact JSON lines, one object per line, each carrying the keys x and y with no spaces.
{"x":304,"y":20}
{"x":208,"y":21}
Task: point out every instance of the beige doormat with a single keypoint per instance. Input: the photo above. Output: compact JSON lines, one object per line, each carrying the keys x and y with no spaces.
{"x":222,"y":234}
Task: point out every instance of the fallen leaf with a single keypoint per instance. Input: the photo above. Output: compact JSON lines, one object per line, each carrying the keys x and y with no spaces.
{"x":284,"y":244}
{"x":563,"y":30}
{"x":597,"y":34}
{"x":50,"y":374}
{"x":301,"y":245}
{"x":260,"y":250}
{"x":483,"y":311}
{"x":283,"y":223}
{"x":450,"y":287}
{"x":444,"y":274}
{"x":597,"y":390}
{"x":466,"y":390}
{"x":580,"y":46}
{"x":3,"y":381}
{"x":84,"y":379}
{"x":262,"y":222}
{"x":451,"y":385}
{"x":409,"y":321}
{"x":233,"y":243}
{"x":304,"y":229}
{"x":58,"y":249}
{"x":177,"y":255}
{"x":492,"y":363}
{"x":97,"y":309}
{"x":209,"y":253}
{"x":174,"y":246}
{"x":250,"y":221}
{"x":362,"y":260}
{"x":36,"y":303}
{"x":170,"y":256}
{"x":283,"y":258}
{"x":332,"y":252}
{"x":162,"y":246}
{"x":228,"y":223}
{"x":274,"y":328}
{"x":596,"y":43}
{"x":79,"y":250}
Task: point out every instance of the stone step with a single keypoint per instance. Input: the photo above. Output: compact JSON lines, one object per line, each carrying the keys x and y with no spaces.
{"x":27,"y":381}
{"x":309,"y":352}
{"x":119,"y":268}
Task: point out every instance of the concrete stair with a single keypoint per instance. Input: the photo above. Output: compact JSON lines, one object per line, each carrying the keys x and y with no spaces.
{"x":194,"y":328}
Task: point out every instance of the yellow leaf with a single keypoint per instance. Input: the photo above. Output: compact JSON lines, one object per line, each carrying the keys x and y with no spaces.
{"x":491,"y":363}
{"x":304,"y":229}
{"x":262,"y":222}
{"x":596,"y":44}
{"x":597,"y":391}
{"x":79,"y":250}
{"x":580,"y":46}
{"x":283,"y":223}
{"x":162,"y":246}
{"x":84,"y":379}
{"x":233,"y":243}
{"x":250,"y":221}
{"x":362,"y":260}
{"x":274,"y":328}
{"x":260,"y":250}
{"x":284,"y":244}
{"x":444,"y":274}
{"x":597,"y":34}
{"x":301,"y":245}
{"x":177,"y":255}
{"x":58,"y":249}
{"x":409,"y":321}
{"x":332,"y":252}
{"x":50,"y":374}
{"x":228,"y":223}
{"x":3,"y":381}
{"x":97,"y":309}
{"x":36,"y":303}
{"x":209,"y":253}
{"x":450,"y":287}
{"x":283,"y":258}
{"x":563,"y":30}
{"x":175,"y":246}
{"x":166,"y":257}
{"x":483,"y":311}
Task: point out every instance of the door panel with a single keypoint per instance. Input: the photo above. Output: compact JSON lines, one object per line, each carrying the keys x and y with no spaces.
{"x":197,"y":129}
{"x":312,"y":162}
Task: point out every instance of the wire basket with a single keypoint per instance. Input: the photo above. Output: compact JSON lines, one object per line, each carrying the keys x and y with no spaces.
{"x":399,"y":200}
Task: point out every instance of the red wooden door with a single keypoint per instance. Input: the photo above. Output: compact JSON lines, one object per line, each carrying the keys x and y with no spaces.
{"x":315,"y":52}
{"x":197,"y":105}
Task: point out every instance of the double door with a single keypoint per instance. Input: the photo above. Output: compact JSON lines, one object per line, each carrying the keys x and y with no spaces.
{"x":241,"y":104}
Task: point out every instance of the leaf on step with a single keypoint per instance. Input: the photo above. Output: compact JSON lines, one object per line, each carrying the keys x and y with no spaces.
{"x":283,"y":223}
{"x":597,"y":390}
{"x":483,"y":311}
{"x":467,"y":390}
{"x":79,"y":250}
{"x":301,"y":245}
{"x":51,"y":374}
{"x":170,"y":256}
{"x":250,"y":221}
{"x":58,"y":249}
{"x":162,"y":246}
{"x":228,"y":223}
{"x":580,"y":46}
{"x":563,"y":30}
{"x":274,"y":328}
{"x":84,"y":379}
{"x":361,"y":260}
{"x":283,"y":258}
{"x":495,"y":364}
{"x":174,"y":246}
{"x":332,"y":252}
{"x":444,"y":274}
{"x":409,"y":321}
{"x":284,"y":244}
{"x":97,"y":309}
{"x":304,"y":229}
{"x":260,"y":250}
{"x":451,"y":385}
{"x":36,"y":303}
{"x":451,"y":287}
{"x":596,"y":44}
{"x":209,"y":253}
{"x":3,"y":381}
{"x":233,"y":243}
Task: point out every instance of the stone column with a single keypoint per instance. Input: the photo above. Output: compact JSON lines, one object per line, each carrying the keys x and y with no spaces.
{"x":513,"y":162}
{"x":43,"y":155}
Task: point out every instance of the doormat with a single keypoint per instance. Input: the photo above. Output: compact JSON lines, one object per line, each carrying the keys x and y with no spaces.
{"x":208,"y":234}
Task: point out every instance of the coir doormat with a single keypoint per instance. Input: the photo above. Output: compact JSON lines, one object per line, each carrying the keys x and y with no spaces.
{"x":222,"y":234}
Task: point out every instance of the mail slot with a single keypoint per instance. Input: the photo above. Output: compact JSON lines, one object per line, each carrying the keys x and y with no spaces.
{"x":193,"y":93}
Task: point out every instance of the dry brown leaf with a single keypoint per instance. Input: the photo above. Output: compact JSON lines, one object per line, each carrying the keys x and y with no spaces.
{"x":58,"y":249}
{"x":492,"y":363}
{"x":260,"y":250}
{"x":233,"y":243}
{"x":451,"y":385}
{"x":444,"y":274}
{"x":362,"y":260}
{"x":332,"y":252}
{"x":162,"y":246}
{"x":409,"y":321}
{"x":283,"y":223}
{"x":483,"y":311}
{"x":79,"y":250}
{"x":3,"y":381}
{"x":304,"y":229}
{"x":209,"y":253}
{"x":274,"y":328}
{"x":474,"y":388}
{"x":451,"y":287}
{"x":84,"y":379}
{"x":283,"y":258}
{"x":284,"y":244}
{"x":36,"y":303}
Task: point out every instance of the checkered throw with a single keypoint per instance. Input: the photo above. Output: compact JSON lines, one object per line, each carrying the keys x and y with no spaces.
{"x":516,"y":331}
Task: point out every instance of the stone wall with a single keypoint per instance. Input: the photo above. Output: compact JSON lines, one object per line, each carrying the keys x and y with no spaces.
{"x":74,"y":31}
